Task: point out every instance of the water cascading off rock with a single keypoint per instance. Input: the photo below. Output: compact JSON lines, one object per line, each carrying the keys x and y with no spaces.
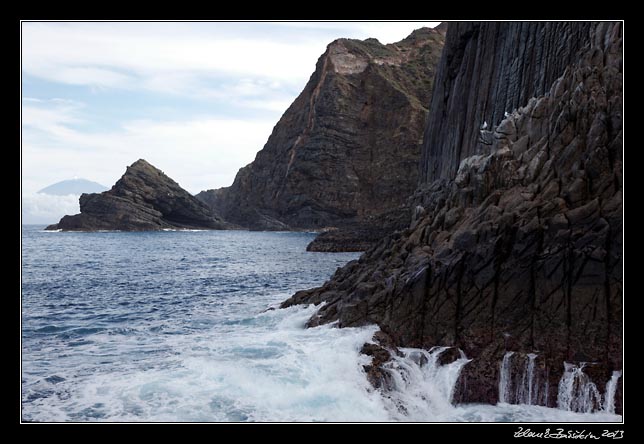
{"x":420,"y":386}
{"x":520,"y":382}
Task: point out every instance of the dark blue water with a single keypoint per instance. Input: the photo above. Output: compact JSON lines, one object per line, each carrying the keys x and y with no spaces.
{"x":131,"y":305}
{"x":172,"y":326}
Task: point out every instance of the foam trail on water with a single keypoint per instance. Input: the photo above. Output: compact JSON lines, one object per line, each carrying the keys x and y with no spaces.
{"x":611,"y":388}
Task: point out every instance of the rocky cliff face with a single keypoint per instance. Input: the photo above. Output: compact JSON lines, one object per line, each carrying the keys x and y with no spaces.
{"x":491,"y":69}
{"x":143,"y":199}
{"x":347,"y":149}
{"x":516,"y":239}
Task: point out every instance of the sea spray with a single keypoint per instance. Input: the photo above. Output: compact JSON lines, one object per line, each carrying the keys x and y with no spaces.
{"x":179,"y":331}
{"x":577,"y":392}
{"x":422,"y":388}
{"x":524,"y":387}
{"x":609,"y":395}
{"x":528,"y":390}
{"x":505,"y":379}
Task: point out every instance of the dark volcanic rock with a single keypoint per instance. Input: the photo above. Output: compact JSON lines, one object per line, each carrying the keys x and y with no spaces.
{"x":346,"y":151}
{"x":517,"y":244}
{"x":492,"y":68}
{"x":143,"y":199}
{"x":360,"y":236}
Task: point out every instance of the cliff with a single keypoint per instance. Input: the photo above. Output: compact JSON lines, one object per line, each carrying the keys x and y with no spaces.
{"x":515,"y":243}
{"x":346,"y":151}
{"x":490,"y":69}
{"x":143,"y":199}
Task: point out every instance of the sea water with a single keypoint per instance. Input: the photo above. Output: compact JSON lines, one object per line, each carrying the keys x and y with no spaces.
{"x":182,"y":326}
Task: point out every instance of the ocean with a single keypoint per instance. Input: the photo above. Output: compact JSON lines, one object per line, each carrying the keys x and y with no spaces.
{"x":181,"y":326}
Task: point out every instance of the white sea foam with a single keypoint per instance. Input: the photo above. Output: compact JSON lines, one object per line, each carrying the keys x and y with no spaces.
{"x":187,"y":230}
{"x":138,"y":327}
{"x":611,"y":388}
{"x":505,"y":379}
{"x":576,"y":391}
{"x":423,"y":389}
{"x":269,"y":367}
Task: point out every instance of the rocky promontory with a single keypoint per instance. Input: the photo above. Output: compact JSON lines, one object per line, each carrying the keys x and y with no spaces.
{"x":143,"y":199}
{"x":345,"y":153}
{"x":514,"y":251}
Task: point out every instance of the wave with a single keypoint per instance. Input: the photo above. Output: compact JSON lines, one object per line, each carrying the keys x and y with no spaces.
{"x":264,"y":367}
{"x":183,"y":229}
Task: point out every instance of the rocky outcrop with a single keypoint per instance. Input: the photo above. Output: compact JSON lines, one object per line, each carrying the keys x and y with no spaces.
{"x":346,"y":151}
{"x":360,"y":236}
{"x":143,"y":199}
{"x":516,"y":238}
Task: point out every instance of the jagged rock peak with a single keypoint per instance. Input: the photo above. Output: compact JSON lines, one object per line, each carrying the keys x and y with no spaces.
{"x":143,"y":199}
{"x":442,"y":27}
{"x":346,"y":151}
{"x":144,"y":165}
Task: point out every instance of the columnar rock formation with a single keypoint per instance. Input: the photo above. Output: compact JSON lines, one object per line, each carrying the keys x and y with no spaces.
{"x":143,"y":199}
{"x":515,"y":242}
{"x":490,"y":70}
{"x":346,"y":151}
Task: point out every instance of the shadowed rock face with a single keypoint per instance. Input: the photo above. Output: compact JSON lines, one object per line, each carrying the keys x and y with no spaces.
{"x":347,"y":149}
{"x":516,"y":239}
{"x":491,"y":68}
{"x":143,"y":199}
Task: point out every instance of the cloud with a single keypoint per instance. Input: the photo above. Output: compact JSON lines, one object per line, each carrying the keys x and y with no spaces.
{"x":38,"y":112}
{"x":201,"y":152}
{"x":97,"y":77}
{"x":51,"y":117}
{"x":134,"y":55}
{"x":270,"y":104}
{"x":385,"y":32}
{"x":162,"y":56}
{"x":47,"y":209}
{"x":197,"y":100}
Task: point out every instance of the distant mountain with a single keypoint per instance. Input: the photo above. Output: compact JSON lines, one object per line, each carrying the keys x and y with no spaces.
{"x":73,"y":186}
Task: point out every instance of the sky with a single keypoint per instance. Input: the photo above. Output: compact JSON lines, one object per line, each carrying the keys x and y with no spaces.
{"x":196,"y":99}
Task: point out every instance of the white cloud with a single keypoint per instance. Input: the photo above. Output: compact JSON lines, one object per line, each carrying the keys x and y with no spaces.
{"x":38,"y":112}
{"x":51,"y":116}
{"x":385,"y":32}
{"x":90,"y":76}
{"x":47,"y":209}
{"x":199,"y":153}
{"x":132,"y":55}
{"x":160,"y":55}
{"x":270,"y":104}
{"x":254,"y":66}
